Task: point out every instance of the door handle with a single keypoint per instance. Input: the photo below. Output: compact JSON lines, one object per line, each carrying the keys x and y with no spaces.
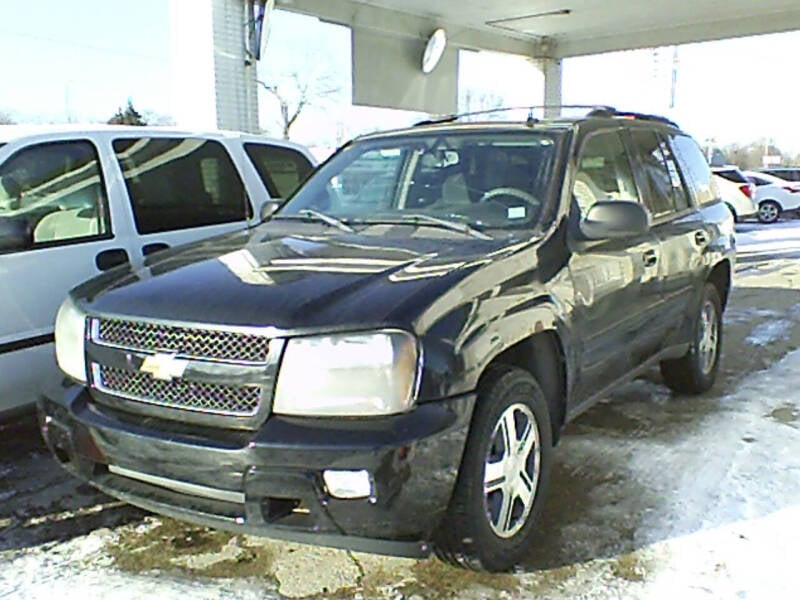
{"x":649,"y":258}
{"x":108,"y":259}
{"x":148,"y":249}
{"x":701,"y":238}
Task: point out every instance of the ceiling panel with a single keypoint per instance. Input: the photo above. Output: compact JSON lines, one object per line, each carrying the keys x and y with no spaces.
{"x":587,"y":26}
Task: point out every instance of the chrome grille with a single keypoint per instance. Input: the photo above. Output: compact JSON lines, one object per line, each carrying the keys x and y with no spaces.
{"x":209,"y":344}
{"x":210,"y":398}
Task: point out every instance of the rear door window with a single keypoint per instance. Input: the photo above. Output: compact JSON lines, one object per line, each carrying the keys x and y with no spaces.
{"x":281,"y":169}
{"x":53,"y":194}
{"x":667,"y":193}
{"x":176,"y":183}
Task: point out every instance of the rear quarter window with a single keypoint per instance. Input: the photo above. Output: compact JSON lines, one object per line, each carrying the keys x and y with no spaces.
{"x":282,"y":170}
{"x":733,"y":175}
{"x":695,"y":168}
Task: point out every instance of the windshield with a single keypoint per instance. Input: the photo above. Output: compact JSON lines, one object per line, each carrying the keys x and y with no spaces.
{"x":483,"y":180}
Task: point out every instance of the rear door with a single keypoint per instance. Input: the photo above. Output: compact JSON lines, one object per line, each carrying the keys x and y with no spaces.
{"x":58,"y":229}
{"x":615,"y":280}
{"x":672,"y":190}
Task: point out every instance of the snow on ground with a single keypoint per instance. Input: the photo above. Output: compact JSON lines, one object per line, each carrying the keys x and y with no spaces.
{"x":779,"y":238}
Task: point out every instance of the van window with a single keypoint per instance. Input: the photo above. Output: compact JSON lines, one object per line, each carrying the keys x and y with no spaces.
{"x":52,"y":194}
{"x":281,"y":169}
{"x":176,"y":183}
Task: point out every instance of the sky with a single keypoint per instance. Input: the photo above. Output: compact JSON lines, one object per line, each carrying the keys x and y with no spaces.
{"x":80,"y":61}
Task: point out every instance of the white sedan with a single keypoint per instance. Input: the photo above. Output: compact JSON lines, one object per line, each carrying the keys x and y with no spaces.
{"x":774,"y":195}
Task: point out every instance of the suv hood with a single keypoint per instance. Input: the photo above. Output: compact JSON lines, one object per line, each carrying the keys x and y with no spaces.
{"x":294,"y":276}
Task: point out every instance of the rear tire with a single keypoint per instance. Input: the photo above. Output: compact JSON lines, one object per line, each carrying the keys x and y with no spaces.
{"x":696,"y":371}
{"x":769,"y":211}
{"x":502,"y":482}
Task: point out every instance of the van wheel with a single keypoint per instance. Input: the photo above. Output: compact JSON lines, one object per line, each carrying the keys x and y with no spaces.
{"x":769,"y":211}
{"x":502,"y":483}
{"x":696,"y":371}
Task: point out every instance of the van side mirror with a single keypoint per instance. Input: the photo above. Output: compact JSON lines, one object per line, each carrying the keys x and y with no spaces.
{"x":268,"y":208}
{"x":614,"y":219}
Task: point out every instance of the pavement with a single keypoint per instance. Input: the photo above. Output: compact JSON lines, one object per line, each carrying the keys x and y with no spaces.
{"x":652,"y":496}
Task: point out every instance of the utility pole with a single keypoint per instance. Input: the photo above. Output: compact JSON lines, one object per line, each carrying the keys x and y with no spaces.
{"x":674,"y":77}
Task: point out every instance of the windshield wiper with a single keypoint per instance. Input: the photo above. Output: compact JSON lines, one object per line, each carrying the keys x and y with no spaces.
{"x":309,"y":213}
{"x":451,"y":225}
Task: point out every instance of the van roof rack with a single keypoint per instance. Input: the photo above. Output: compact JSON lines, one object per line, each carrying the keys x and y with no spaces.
{"x":594,"y":110}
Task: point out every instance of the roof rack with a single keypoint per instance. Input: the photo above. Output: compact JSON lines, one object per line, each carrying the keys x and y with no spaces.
{"x":595,"y":110}
{"x":456,"y":116}
{"x":611,"y":112}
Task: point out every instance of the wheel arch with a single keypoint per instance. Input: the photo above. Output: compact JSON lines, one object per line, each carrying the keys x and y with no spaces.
{"x":542,"y":355}
{"x":720,"y":277}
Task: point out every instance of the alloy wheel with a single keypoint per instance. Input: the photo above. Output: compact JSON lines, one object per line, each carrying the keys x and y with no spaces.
{"x":708,"y":337}
{"x":511,"y":470}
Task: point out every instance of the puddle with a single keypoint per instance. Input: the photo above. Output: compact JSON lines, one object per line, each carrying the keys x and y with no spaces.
{"x":166,"y":544}
{"x":786,"y":414}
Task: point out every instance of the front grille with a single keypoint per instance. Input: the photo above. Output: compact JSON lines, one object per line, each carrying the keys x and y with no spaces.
{"x":209,"y":398}
{"x":208,"y":344}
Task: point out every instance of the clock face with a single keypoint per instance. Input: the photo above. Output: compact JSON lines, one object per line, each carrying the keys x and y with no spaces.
{"x":434,"y":50}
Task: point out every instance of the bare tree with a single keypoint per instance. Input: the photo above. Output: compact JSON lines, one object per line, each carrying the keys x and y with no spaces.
{"x":294,"y":93}
{"x":750,"y":156}
{"x":476,"y":100}
{"x":5,"y":119}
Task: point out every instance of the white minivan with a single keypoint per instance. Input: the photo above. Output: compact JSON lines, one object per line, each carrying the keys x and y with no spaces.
{"x":75,"y":202}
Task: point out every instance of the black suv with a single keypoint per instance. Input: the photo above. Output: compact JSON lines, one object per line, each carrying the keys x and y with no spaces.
{"x":388,"y":361}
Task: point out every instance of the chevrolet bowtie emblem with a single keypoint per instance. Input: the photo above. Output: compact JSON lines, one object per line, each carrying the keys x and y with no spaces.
{"x":164,"y":367}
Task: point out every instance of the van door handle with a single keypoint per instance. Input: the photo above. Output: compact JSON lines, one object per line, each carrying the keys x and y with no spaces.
{"x":108,"y":259}
{"x":148,"y":249}
{"x":701,"y":238}
{"x":650,"y":258}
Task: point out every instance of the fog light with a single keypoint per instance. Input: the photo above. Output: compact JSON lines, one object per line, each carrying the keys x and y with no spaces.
{"x":348,"y":484}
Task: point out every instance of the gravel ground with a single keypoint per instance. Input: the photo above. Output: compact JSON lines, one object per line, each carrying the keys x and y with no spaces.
{"x":652,"y":496}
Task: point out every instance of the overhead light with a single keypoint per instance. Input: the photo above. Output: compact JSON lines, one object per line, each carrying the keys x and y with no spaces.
{"x":434,"y":50}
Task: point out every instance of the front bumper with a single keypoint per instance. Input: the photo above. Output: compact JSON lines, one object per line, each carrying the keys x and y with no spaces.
{"x":269,"y":482}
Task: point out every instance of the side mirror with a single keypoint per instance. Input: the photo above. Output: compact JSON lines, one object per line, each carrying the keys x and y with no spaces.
{"x":614,"y":219}
{"x":15,"y":234}
{"x":269,"y":207}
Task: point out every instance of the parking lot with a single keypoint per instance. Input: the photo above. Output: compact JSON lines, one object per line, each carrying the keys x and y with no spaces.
{"x":652,"y":494}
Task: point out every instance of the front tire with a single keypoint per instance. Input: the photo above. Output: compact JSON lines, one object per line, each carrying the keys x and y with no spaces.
{"x":769,"y":211}
{"x":696,"y":371}
{"x":502,"y":483}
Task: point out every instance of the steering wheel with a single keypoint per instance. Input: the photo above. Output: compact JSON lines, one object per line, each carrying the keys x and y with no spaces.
{"x":495,"y":195}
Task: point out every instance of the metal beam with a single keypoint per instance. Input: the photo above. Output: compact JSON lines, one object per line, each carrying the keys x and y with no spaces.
{"x":399,"y":23}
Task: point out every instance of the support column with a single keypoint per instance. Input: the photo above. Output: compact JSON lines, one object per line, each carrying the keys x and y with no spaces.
{"x":214,"y":82}
{"x":551,"y":68}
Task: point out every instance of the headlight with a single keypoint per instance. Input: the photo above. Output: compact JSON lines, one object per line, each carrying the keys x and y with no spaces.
{"x":70,"y":332}
{"x":359,"y":374}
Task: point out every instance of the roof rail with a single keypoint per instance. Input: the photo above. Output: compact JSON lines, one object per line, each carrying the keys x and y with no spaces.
{"x":595,"y":110}
{"x":436,"y":120}
{"x":601,"y":112}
